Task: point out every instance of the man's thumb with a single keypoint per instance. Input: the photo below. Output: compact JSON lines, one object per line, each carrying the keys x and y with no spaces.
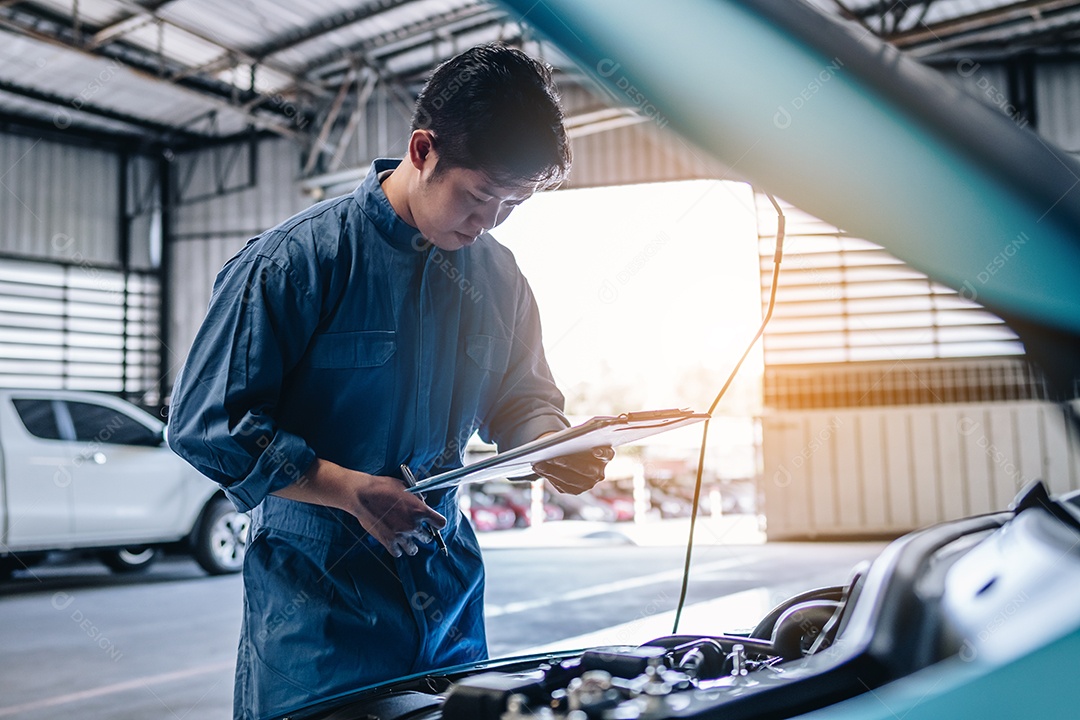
{"x":437,"y":521}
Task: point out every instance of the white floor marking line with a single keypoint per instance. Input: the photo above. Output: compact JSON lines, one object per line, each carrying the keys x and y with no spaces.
{"x":115,"y":688}
{"x":616,"y":586}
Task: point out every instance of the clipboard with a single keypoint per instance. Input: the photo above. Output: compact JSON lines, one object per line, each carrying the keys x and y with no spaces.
{"x":600,"y":431}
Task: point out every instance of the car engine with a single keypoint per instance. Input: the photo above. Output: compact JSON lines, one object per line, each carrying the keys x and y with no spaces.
{"x":986,"y":589}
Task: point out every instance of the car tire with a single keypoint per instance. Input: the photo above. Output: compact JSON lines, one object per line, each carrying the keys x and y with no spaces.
{"x":7,"y":567}
{"x":130,"y":560}
{"x":23,"y":561}
{"x":220,"y":541}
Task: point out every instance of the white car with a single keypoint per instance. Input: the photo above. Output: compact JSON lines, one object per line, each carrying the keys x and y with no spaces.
{"x":83,"y":470}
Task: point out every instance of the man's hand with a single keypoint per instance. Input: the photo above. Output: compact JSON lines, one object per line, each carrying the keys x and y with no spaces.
{"x":393,"y":516}
{"x":574,"y":474}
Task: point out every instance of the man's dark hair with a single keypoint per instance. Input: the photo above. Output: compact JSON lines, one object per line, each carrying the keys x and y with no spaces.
{"x":495,"y":109}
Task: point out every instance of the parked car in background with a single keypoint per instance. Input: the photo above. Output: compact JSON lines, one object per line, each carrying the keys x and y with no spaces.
{"x":738,"y":497}
{"x":519,"y":499}
{"x":621,"y":501}
{"x":581,"y":507}
{"x":488,"y":513}
{"x":671,"y":505}
{"x":87,"y":471}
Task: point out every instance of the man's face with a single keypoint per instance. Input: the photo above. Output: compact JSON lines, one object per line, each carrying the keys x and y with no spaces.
{"x":455,"y":206}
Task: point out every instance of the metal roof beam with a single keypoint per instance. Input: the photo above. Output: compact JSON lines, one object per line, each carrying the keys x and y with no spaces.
{"x":1032,"y":10}
{"x":409,"y":74}
{"x":13,"y":123}
{"x":876,"y":8}
{"x":449,"y":33}
{"x":884,"y":12}
{"x":70,"y":106}
{"x":323,"y":26}
{"x":230,"y":51}
{"x":138,"y":10}
{"x":371,"y":46}
{"x":362,"y":97}
{"x":1057,"y":33}
{"x":848,"y":14}
{"x":364,"y":52}
{"x":132,"y":22}
{"x":319,"y":145}
{"x":331,"y":73}
{"x":218,"y":94}
{"x":402,"y":99}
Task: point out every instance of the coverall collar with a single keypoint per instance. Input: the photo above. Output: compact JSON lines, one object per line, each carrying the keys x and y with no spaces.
{"x":373,"y":201}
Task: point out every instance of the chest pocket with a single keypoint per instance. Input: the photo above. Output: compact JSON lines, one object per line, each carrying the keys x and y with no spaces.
{"x":359,"y":349}
{"x":488,"y":352}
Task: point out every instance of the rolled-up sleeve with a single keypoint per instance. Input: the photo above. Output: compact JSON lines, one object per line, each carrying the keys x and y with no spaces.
{"x":529,"y":403}
{"x":222,"y":416}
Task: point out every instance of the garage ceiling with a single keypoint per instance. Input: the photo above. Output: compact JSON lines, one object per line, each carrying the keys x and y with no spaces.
{"x":189,"y":72}
{"x":932,"y":28}
{"x":184,"y":70}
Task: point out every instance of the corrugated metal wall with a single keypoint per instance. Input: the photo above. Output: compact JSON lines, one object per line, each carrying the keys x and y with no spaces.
{"x":843,"y":299}
{"x":144,"y":211}
{"x":1055,"y":91}
{"x":206,"y":232}
{"x":1057,"y":103}
{"x":80,"y":327}
{"x":637,"y":154}
{"x":831,"y":469}
{"x":645,"y":152}
{"x":850,"y":472}
{"x":248,"y":203}
{"x":983,"y":80}
{"x":81,"y":294}
{"x":58,"y":202}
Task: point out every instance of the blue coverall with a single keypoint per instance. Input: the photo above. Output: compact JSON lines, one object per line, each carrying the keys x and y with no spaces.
{"x":341,"y":334}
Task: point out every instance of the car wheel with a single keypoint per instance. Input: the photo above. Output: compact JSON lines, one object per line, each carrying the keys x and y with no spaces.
{"x":130,"y":560}
{"x":221,"y":540}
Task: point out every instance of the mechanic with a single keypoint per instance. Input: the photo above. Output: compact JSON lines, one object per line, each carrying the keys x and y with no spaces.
{"x":371,"y":331}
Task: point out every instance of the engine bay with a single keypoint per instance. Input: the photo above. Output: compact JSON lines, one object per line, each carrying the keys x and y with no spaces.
{"x":936,"y":595}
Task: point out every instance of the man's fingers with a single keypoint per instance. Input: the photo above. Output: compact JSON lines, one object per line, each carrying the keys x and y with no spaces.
{"x":568,"y":464}
{"x":570,"y":489}
{"x":590,"y":471}
{"x":398,"y":519}
{"x":570,"y":480}
{"x":403,"y":545}
{"x":392,"y":547}
{"x":579,"y":472}
{"x":594,"y":460}
{"x":576,"y":485}
{"x":436,"y":520}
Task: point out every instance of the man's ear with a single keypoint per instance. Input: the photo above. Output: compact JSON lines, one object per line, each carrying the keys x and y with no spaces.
{"x":422,"y":153}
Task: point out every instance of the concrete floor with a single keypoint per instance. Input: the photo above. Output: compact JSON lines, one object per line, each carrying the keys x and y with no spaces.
{"x":76,"y":641}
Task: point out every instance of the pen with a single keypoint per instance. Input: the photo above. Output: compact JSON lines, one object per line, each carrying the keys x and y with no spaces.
{"x":410,"y":481}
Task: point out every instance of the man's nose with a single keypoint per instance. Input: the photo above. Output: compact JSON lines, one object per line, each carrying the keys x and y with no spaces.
{"x":488,"y":216}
